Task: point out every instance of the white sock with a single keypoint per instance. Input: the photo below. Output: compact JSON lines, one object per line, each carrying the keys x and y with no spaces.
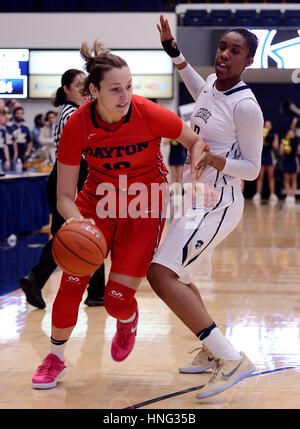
{"x":58,"y":348}
{"x":220,"y":346}
{"x":131,"y":319}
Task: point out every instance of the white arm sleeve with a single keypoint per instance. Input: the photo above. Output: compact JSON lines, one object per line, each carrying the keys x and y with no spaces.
{"x":192,"y":80}
{"x":249,"y":122}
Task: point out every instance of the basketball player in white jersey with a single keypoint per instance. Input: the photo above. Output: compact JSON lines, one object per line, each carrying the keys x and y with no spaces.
{"x":229,"y":119}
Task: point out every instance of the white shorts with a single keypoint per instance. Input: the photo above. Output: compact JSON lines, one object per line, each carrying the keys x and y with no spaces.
{"x":187,"y":250}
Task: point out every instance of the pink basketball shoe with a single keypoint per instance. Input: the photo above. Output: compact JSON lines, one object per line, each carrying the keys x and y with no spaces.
{"x":124,"y":339}
{"x":45,"y":377}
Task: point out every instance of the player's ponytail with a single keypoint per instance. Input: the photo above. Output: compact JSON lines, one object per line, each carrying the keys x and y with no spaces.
{"x":93,"y":55}
{"x":98,"y":60}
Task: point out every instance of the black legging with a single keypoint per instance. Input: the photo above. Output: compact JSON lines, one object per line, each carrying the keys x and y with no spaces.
{"x":46,"y":264}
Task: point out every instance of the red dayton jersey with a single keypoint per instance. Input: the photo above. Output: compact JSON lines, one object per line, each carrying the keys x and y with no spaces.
{"x":129,"y":147}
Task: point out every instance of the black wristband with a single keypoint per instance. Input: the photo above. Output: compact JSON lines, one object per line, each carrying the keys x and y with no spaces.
{"x":172,"y":52}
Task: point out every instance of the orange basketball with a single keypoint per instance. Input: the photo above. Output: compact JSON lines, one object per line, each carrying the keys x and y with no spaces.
{"x":79,"y":248}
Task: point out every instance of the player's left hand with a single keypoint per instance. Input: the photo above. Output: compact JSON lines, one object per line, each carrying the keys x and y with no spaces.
{"x":208,"y":195}
{"x":211,"y":197}
{"x":79,"y":219}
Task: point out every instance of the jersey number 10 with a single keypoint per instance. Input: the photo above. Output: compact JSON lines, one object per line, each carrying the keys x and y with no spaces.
{"x":117,"y":165}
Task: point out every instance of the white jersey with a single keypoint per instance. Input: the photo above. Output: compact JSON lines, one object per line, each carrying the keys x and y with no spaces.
{"x":231,"y":123}
{"x":218,"y":121}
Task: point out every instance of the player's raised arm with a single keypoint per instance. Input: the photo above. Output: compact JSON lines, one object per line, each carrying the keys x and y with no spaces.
{"x":191,"y":78}
{"x":169,"y":44}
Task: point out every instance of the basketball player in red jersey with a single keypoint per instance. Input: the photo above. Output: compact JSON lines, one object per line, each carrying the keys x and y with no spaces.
{"x":119,"y":134}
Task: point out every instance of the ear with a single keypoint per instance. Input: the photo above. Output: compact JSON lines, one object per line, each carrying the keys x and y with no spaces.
{"x":249,"y":62}
{"x":93,"y":90}
{"x":65,"y":88}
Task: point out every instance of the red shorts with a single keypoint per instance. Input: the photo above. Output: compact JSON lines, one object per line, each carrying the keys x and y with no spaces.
{"x":132,"y":242}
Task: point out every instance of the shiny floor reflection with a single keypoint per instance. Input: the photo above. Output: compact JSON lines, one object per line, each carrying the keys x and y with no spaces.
{"x":17,"y":256}
{"x":253,"y":295}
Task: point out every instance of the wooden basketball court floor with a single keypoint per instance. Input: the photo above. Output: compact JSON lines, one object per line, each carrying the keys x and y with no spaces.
{"x":253,"y":295}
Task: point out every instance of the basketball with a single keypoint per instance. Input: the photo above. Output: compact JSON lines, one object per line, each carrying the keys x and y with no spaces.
{"x":79,"y":248}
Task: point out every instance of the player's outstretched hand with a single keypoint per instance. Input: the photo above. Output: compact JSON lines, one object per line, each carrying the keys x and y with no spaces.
{"x":165,"y":31}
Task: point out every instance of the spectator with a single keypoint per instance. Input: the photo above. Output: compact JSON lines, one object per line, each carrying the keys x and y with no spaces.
{"x":295,"y":125}
{"x":46,"y":138}
{"x":10,"y":141}
{"x":11,"y":105}
{"x":4,"y":153}
{"x":177,"y":157}
{"x":268,"y":161}
{"x":21,"y":134}
{"x":289,"y":149}
{"x":39,"y":122}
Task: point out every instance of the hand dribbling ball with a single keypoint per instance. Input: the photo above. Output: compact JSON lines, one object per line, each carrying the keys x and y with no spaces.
{"x":79,"y":248}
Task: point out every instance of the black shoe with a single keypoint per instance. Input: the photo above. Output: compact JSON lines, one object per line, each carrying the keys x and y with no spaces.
{"x":32,"y":291}
{"x":94,"y":300}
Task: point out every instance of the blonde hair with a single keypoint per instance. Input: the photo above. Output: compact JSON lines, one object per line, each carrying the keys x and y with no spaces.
{"x":98,"y":61}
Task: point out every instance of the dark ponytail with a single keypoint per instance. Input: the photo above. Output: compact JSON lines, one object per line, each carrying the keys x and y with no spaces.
{"x":66,"y":80}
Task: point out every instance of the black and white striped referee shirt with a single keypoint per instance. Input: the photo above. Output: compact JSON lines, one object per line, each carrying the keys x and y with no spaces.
{"x":63,"y":115}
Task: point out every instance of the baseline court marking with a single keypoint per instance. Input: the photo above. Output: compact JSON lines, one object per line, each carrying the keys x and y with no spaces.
{"x":191,"y":389}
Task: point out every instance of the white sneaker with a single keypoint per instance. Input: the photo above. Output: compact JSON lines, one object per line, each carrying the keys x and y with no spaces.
{"x":256,"y":198}
{"x":290,"y":200}
{"x":273,"y":197}
{"x":226,"y":373}
{"x":203,"y":361}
